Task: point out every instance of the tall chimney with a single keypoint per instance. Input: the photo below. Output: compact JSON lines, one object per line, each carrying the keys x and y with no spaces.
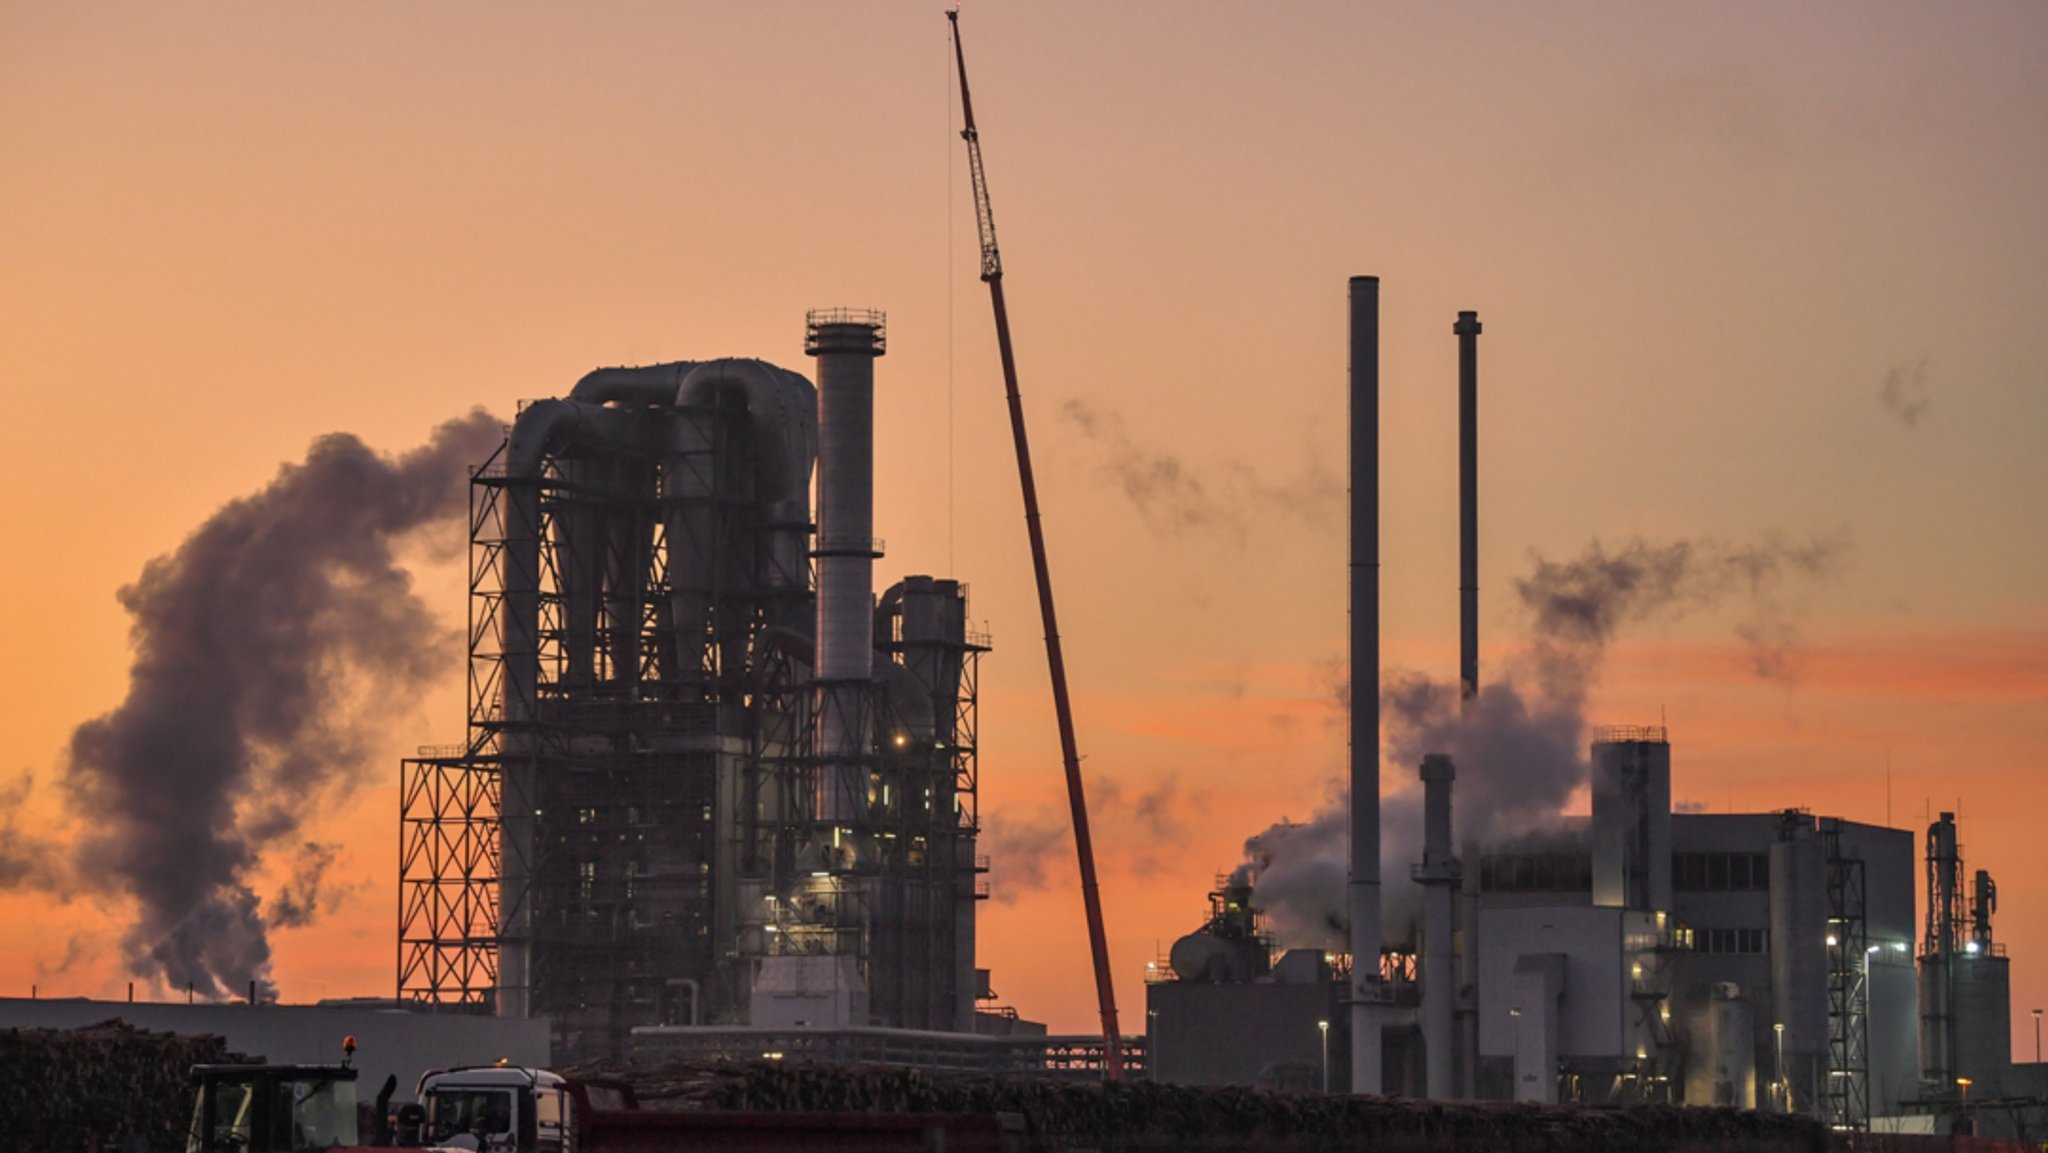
{"x":1365,"y":685}
{"x":1467,"y":329}
{"x":845,"y":343}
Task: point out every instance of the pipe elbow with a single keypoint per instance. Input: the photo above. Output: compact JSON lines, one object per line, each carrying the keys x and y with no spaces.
{"x":548,"y":427}
{"x":781,"y":405}
{"x":648,"y":386}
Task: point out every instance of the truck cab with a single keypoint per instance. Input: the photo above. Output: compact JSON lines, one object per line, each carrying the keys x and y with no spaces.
{"x":272,"y":1108}
{"x":503,"y":1109}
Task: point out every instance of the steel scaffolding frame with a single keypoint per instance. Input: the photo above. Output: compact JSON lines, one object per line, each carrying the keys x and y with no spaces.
{"x":1845,"y":1101}
{"x":682,"y":722}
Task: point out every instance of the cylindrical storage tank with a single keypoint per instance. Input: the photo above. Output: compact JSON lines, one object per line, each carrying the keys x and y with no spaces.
{"x":1983,"y":1010}
{"x":1799,"y":966}
{"x":1734,"y":1025}
{"x":1937,"y":1062}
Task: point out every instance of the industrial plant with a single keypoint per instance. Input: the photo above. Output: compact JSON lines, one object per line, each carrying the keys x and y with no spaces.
{"x":711,"y":777}
{"x":1767,"y":961}
{"x":718,"y":799}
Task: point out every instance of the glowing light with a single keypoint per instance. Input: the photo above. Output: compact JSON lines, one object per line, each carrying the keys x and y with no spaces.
{"x":1833,"y":941}
{"x":1970,"y":947}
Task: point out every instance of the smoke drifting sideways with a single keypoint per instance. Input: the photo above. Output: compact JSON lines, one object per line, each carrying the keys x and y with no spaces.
{"x":1173,"y":495}
{"x":1027,"y":845}
{"x":1521,"y":745}
{"x":262,"y":646}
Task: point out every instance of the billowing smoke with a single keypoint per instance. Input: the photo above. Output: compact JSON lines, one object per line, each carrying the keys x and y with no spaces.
{"x":26,"y":860}
{"x":265,"y":647}
{"x":1521,"y":744}
{"x":1021,"y":848}
{"x":1173,"y":496}
{"x":308,"y":895}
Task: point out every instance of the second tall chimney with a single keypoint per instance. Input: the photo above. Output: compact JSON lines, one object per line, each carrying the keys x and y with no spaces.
{"x":1467,"y":329}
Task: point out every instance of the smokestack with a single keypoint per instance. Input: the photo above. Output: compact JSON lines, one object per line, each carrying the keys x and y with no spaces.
{"x":1439,"y":877}
{"x":1467,"y":329}
{"x":845,"y":343}
{"x":1365,"y":685}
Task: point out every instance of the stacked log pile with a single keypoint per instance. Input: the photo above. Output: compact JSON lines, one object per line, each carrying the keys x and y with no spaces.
{"x":1142,"y":1117}
{"x":104,"y":1087}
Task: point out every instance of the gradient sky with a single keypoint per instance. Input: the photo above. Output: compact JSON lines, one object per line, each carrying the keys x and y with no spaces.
{"x":1703,"y":242}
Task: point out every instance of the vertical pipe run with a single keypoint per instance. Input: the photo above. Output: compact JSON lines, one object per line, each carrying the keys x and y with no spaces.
{"x":1365,"y":685}
{"x":1467,"y":330}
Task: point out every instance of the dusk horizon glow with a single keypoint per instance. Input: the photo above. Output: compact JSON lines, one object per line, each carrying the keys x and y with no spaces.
{"x":1754,"y":280}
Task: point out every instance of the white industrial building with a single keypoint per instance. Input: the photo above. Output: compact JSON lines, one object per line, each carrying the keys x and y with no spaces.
{"x":1761,"y":960}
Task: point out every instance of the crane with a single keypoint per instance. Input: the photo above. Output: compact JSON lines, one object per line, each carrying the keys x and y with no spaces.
{"x":1084,"y":847}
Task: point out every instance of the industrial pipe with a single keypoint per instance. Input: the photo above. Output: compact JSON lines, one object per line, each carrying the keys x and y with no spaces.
{"x":643,"y":386}
{"x":543,"y":429}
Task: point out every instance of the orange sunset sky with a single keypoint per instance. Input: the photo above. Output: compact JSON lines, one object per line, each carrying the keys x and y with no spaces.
{"x":1747,"y":271}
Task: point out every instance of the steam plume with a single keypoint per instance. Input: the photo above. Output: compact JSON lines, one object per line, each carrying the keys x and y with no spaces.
{"x":1173,"y":496}
{"x":26,"y":861}
{"x":1021,"y":846}
{"x":1904,"y":393}
{"x":259,"y":645}
{"x":1521,"y":743}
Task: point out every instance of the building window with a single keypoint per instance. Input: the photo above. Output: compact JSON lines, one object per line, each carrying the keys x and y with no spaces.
{"x":1730,"y":941}
{"x":586,"y":880}
{"x":1536,"y":873}
{"x":1720,"y":872}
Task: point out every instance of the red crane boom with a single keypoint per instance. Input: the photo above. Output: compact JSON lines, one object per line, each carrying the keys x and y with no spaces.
{"x":1084,"y":847}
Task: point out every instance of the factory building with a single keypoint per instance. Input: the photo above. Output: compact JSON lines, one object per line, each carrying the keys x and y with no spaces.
{"x":710,"y":777}
{"x":1760,"y":960}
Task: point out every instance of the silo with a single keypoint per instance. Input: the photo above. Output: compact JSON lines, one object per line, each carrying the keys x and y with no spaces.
{"x":1799,"y":975}
{"x":1734,"y":1040}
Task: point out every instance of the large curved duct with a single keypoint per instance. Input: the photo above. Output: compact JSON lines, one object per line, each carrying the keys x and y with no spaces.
{"x":782,"y":407}
{"x":645,"y":386}
{"x":782,"y":410}
{"x":548,"y":428}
